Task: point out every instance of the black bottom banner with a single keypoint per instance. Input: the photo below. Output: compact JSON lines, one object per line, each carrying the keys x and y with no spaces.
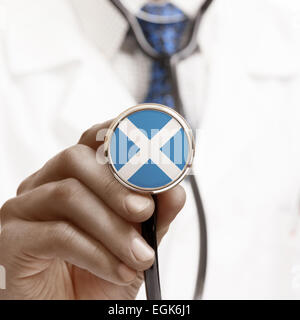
{"x":165,"y":309}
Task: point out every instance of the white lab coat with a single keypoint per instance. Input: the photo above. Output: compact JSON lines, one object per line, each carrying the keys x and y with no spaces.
{"x":54,"y":84}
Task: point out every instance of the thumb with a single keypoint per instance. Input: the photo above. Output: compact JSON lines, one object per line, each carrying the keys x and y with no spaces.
{"x":169,"y":204}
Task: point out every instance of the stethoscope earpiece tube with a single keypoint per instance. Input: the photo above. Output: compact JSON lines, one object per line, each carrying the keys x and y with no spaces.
{"x":151,"y":275}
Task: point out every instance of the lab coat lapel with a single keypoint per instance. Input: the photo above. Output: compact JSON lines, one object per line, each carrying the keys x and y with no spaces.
{"x":40,"y":35}
{"x":244,"y":88}
{"x":91,"y":91}
{"x":262,"y":36}
{"x":95,"y":94}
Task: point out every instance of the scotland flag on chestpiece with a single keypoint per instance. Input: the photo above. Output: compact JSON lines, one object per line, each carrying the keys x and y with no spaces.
{"x":149,"y":149}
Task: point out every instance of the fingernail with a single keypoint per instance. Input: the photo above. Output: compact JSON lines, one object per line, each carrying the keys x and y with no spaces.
{"x":136,"y":203}
{"x":141,"y":250}
{"x":126,"y":274}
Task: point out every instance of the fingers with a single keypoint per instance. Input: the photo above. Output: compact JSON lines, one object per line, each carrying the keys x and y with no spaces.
{"x":69,"y":200}
{"x":79,"y":162}
{"x":94,"y":136}
{"x":100,"y":214}
{"x":63,"y":240}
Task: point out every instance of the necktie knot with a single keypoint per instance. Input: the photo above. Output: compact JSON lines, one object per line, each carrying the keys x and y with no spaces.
{"x":164,"y":37}
{"x":163,"y":28}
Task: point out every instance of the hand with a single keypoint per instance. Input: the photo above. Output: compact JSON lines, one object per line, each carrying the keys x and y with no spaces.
{"x":73,"y":231}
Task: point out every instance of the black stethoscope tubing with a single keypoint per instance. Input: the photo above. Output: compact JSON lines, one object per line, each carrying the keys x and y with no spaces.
{"x":191,"y":46}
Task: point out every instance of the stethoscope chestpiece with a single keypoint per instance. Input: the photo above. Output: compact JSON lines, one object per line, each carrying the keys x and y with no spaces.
{"x":150,"y":149}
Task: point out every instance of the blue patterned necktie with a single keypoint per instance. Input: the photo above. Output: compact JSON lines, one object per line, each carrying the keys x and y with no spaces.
{"x":164,"y":38}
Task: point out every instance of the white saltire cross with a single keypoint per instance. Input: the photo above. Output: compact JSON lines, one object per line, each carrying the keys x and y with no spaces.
{"x":149,"y":149}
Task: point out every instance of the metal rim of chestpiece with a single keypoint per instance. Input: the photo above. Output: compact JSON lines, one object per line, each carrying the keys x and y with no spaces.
{"x":150,"y":106}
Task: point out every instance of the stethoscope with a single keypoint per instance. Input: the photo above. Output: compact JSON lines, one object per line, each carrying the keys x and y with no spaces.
{"x":148,"y":229}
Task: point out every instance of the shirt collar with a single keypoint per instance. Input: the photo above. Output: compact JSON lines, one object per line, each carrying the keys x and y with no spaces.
{"x":105,"y":26}
{"x":49,"y":33}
